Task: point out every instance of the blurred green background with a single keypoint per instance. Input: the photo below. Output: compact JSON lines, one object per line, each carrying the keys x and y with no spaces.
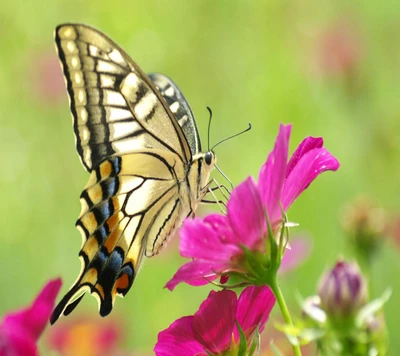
{"x":329,"y":68}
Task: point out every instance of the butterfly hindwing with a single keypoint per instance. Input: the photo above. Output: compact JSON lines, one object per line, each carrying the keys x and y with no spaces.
{"x":115,"y":107}
{"x":124,"y":210}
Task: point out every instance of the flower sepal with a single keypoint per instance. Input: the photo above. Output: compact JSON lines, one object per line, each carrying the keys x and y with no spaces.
{"x":254,"y":347}
{"x":260,"y":268}
{"x":369,"y":311}
{"x":257,"y":266}
{"x":242,"y":351}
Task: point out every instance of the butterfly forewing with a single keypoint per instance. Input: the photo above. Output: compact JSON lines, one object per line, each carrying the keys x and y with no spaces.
{"x":115,"y":107}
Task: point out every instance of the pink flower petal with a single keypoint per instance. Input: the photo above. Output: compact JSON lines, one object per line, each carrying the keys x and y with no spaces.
{"x":306,"y":145}
{"x":273,"y":172}
{"x":214,"y":321}
{"x":178,"y":339}
{"x":37,"y":316}
{"x":254,"y":306}
{"x":194,"y":272}
{"x":310,"y":166}
{"x":222,"y":227}
{"x":200,"y":240}
{"x":14,"y":341}
{"x":246,"y":213}
{"x":22,"y":328}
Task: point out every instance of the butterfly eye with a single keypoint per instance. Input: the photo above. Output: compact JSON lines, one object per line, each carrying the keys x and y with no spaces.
{"x":208,"y":157}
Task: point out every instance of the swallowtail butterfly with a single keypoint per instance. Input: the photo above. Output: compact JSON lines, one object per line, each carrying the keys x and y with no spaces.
{"x":137,"y":137}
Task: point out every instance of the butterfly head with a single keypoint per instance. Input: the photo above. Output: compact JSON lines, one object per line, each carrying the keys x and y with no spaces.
{"x":210,"y":159}
{"x":203,"y":164}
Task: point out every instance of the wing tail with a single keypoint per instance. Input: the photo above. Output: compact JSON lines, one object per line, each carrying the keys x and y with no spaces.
{"x":114,"y":279}
{"x":65,"y":306}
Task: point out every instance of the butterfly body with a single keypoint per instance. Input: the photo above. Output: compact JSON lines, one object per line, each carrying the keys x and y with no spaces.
{"x":137,"y":137}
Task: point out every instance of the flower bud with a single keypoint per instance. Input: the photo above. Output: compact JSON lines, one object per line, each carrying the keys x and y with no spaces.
{"x":364,"y":222}
{"x":343,"y":290}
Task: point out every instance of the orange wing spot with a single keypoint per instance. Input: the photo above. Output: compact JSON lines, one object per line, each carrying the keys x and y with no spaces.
{"x":89,"y":222}
{"x":95,"y":194}
{"x":105,"y":169}
{"x":122,"y":282}
{"x":91,"y":247}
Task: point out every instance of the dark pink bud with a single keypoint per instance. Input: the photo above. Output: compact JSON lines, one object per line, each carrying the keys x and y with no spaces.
{"x":342,"y":290}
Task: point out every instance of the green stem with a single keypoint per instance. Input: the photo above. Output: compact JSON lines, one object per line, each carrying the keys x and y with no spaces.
{"x":284,"y":310}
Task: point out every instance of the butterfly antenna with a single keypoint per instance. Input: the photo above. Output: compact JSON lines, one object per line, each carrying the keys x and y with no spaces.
{"x":209,"y":128}
{"x":235,"y":135}
{"x":224,"y":175}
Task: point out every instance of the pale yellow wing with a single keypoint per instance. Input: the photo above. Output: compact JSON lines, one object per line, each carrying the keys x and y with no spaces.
{"x":129,"y":200}
{"x":115,"y":106}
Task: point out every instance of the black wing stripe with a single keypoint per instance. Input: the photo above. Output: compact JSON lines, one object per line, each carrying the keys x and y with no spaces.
{"x":165,"y":222}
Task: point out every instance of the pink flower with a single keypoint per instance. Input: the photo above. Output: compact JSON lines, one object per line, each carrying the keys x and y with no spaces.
{"x":20,"y":330}
{"x":213,"y":329}
{"x":217,"y":244}
{"x":339,"y":49}
{"x":47,"y":78}
{"x":300,"y":249}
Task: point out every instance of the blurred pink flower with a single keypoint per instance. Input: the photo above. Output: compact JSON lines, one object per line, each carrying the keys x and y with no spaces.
{"x":364,"y":222}
{"x":20,"y":330}
{"x":392,"y":228}
{"x":300,"y":249}
{"x":86,"y":336}
{"x":339,"y":50}
{"x":47,"y":78}
{"x":216,"y":242}
{"x":212,"y":330}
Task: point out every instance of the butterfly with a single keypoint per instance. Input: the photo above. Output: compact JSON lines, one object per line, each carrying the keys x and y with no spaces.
{"x":137,"y":137}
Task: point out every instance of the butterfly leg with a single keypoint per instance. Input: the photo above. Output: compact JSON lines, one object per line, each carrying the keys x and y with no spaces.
{"x":221,"y":187}
{"x":221,"y":204}
{"x":209,"y":189}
